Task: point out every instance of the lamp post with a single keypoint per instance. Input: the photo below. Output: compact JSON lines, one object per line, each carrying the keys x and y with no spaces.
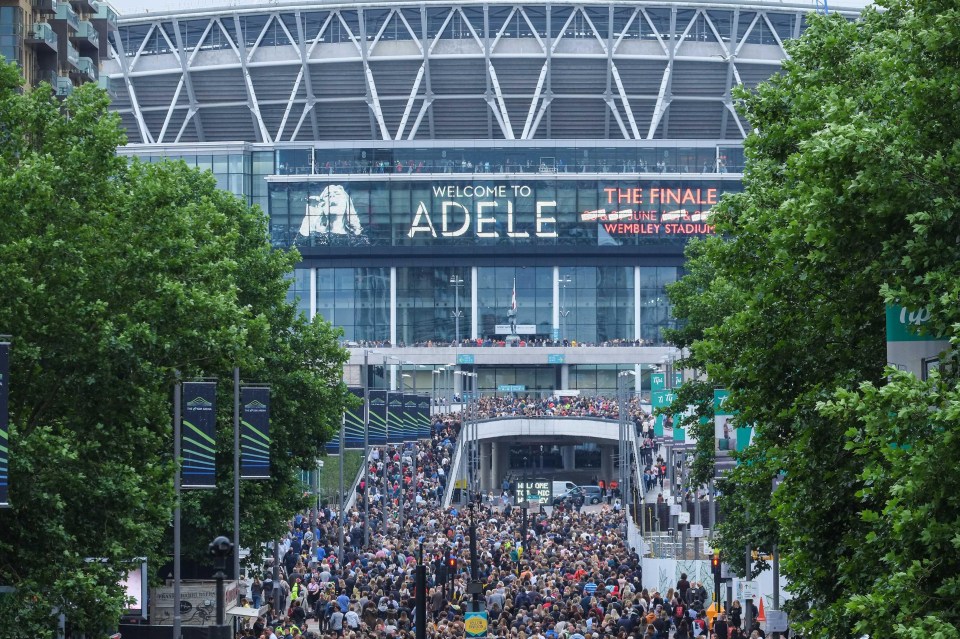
{"x":457,"y":282}
{"x":220,"y":548}
{"x":566,"y":279}
{"x":626,"y":462}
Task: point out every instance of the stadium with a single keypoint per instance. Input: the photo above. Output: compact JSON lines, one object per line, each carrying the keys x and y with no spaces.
{"x":486,"y":174}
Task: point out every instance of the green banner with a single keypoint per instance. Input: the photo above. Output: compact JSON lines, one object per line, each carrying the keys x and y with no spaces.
{"x":720,"y":397}
{"x":903,"y":324}
{"x":658,"y":381}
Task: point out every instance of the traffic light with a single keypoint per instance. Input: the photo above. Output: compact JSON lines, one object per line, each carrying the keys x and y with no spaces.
{"x":451,"y":564}
{"x":715,"y":564}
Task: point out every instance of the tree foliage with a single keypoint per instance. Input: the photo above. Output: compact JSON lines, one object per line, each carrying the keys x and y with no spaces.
{"x":116,"y":276}
{"x":850,"y":201}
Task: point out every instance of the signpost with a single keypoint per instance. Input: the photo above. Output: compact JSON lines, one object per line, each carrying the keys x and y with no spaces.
{"x":556,"y":358}
{"x":535,"y":491}
{"x":465,"y":359}
{"x":777,"y":621}
{"x":511,"y":388}
{"x":475,"y":624}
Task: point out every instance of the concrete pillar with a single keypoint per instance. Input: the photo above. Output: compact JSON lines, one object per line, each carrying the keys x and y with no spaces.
{"x":393,"y":305}
{"x":567,"y":453}
{"x":564,"y":376}
{"x":608,"y":467}
{"x":486,"y":472}
{"x":496,"y":473}
{"x":474,"y":308}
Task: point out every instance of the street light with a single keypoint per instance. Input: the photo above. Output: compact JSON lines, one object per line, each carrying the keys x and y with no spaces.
{"x":566,"y":279}
{"x":626,"y":469}
{"x":457,"y":282}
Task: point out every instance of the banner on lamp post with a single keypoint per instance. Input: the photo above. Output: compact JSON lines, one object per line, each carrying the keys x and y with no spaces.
{"x":423,"y":412}
{"x":255,"y":433}
{"x":411,"y":414}
{"x":353,"y":417}
{"x":396,"y":422}
{"x":198,"y":436}
{"x":4,"y":424}
{"x":378,"y":417}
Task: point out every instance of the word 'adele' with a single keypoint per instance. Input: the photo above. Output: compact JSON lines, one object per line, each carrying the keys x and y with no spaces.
{"x":485,"y":223}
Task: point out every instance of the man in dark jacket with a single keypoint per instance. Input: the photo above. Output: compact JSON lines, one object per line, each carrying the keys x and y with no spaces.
{"x":720,"y":627}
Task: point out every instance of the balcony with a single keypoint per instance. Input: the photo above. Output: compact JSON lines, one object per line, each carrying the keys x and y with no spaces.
{"x":64,"y":86}
{"x":106,"y":83}
{"x":43,"y":75}
{"x":73,"y":56}
{"x":42,"y":37}
{"x":104,"y":12}
{"x":66,"y":13}
{"x":44,"y":6}
{"x":88,"y":69}
{"x":86,"y":36}
{"x":84,"y":6}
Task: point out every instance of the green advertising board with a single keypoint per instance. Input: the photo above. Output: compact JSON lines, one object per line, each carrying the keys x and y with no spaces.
{"x":720,"y":397}
{"x":903,"y":324}
{"x":658,"y":381}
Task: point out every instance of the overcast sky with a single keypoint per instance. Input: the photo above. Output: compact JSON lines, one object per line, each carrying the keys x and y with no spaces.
{"x":139,"y":6}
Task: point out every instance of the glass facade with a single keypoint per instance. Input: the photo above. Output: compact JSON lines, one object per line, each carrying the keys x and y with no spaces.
{"x":427,"y":300}
{"x":534,"y":286}
{"x":233,"y":171}
{"x":655,"y":310}
{"x":481,"y":159}
{"x":356,"y":299}
{"x":596,"y":379}
{"x":506,"y":214}
{"x":538,"y":380}
{"x":300,"y":290}
{"x":596,"y":304}
{"x":573,"y":249}
{"x":11,"y":34}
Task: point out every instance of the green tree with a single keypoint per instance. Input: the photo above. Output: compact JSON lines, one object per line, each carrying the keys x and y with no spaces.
{"x":115,"y":276}
{"x":850,"y":200}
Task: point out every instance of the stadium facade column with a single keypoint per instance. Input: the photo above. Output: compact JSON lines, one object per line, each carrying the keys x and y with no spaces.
{"x":637,"y":332}
{"x":393,"y":311}
{"x":556,"y":302}
{"x":564,"y":376}
{"x":607,"y":467}
{"x":486,"y":470}
{"x":474,"y":310}
{"x":313,"y":294}
{"x":496,"y":467}
{"x":568,"y":455}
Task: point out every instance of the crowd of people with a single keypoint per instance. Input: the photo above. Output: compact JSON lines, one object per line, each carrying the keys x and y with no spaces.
{"x":565,"y":575}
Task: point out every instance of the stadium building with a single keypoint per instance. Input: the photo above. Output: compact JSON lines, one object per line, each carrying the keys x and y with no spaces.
{"x":490,"y":171}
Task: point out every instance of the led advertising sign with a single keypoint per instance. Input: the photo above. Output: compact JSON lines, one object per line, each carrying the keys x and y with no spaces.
{"x":542,"y":212}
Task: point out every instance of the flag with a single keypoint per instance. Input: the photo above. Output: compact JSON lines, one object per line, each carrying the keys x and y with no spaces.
{"x":255,"y":433}
{"x":198,"y":444}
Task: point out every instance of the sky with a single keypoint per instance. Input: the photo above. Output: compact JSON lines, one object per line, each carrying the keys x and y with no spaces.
{"x":140,"y":6}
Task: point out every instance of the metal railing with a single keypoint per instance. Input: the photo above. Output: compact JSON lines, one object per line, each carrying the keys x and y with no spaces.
{"x":44,"y":32}
{"x":66,"y":12}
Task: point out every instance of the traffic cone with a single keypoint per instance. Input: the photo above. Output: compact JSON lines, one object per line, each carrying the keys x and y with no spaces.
{"x":761,"y":616}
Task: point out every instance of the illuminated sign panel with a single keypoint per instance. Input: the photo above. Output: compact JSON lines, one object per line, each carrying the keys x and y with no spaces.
{"x":542,"y":212}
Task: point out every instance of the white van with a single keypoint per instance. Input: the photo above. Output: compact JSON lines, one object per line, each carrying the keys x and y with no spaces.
{"x":560,"y":487}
